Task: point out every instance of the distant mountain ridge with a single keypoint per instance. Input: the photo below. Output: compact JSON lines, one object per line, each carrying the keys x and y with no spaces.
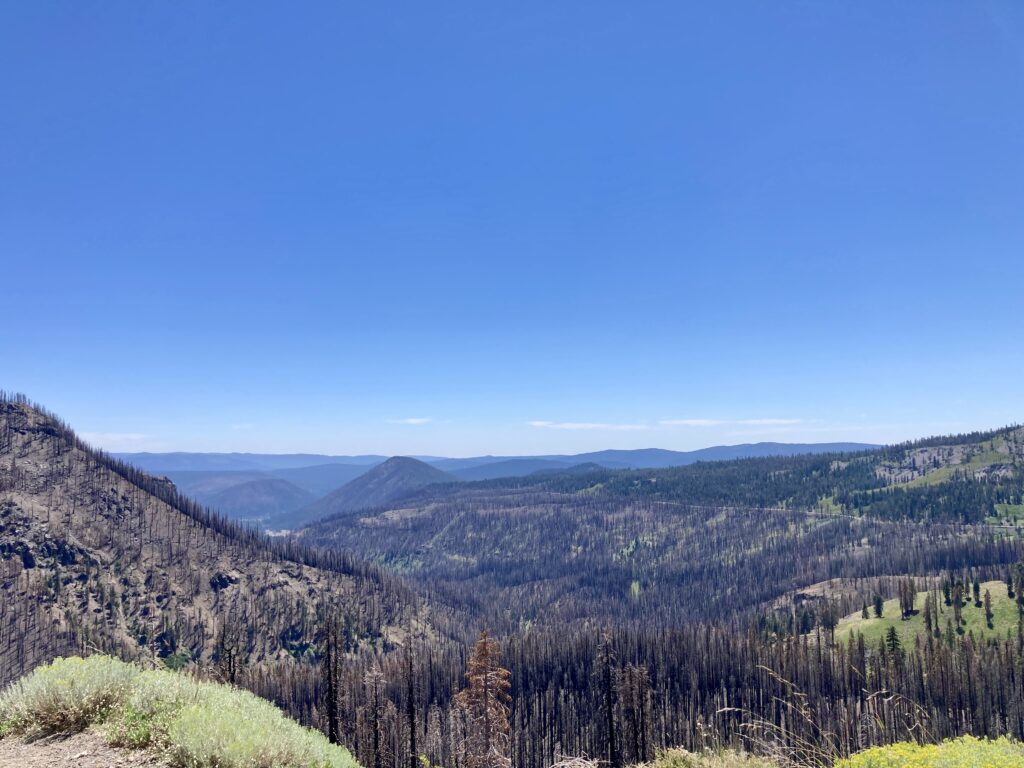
{"x":639,"y":458}
{"x":247,"y":486}
{"x":659,"y":458}
{"x":397,"y":477}
{"x":491,"y":467}
{"x":257,"y":500}
{"x":181,"y":461}
{"x":318,"y":480}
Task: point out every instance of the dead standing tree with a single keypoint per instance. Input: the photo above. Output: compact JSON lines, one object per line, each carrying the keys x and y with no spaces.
{"x":485,"y":701}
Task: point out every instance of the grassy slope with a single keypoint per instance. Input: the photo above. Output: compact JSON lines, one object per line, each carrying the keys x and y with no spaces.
{"x":992,"y":452}
{"x":1004,"y":619}
{"x":1008,"y":514}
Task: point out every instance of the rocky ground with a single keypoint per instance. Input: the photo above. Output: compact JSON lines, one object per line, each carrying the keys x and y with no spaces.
{"x":82,"y":750}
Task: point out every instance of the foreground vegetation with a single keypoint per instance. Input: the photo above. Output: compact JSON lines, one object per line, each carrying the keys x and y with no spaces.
{"x":191,"y":724}
{"x":966,"y":752}
{"x":195,"y":724}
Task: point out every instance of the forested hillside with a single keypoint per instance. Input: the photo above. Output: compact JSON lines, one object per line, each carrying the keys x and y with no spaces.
{"x":633,"y":610}
{"x":962,"y":478}
{"x":723,"y":584}
{"x":701,"y":542}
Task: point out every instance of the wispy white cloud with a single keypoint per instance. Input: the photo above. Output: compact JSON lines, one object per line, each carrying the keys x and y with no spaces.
{"x":690,"y":422}
{"x":722,"y":422}
{"x":588,"y":425}
{"x":415,"y":421}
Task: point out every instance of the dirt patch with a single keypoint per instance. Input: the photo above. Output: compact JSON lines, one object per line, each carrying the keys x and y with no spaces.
{"x":83,"y":750}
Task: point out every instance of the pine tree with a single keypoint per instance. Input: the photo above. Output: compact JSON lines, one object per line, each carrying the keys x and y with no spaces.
{"x":485,"y":701}
{"x":830,"y":619}
{"x":958,"y":606}
{"x":893,"y":644}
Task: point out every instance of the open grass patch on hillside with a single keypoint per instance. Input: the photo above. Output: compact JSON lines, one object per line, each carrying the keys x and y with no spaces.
{"x":1004,"y":618}
{"x":990,"y":454}
{"x":1009,"y":514}
{"x":191,"y":723}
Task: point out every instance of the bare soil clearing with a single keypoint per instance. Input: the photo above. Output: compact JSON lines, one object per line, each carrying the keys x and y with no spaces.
{"x":82,"y":750}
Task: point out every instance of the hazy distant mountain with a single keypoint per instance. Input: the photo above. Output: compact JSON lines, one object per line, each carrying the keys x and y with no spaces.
{"x":575,"y":469}
{"x":657,"y":458}
{"x":259,"y":499}
{"x":490,"y":467}
{"x":456,"y":465}
{"x":318,"y":480}
{"x":319,"y":474}
{"x":321,"y":479}
{"x":509,"y":468}
{"x":395,"y":478}
{"x":262,"y":462}
{"x":201,"y":484}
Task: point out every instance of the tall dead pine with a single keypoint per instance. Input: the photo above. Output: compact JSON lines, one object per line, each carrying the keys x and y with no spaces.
{"x":330,"y":672}
{"x":485,"y":701}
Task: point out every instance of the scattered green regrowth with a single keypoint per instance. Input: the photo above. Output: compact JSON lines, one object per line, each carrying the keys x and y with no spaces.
{"x":966,"y":752}
{"x":190,"y":723}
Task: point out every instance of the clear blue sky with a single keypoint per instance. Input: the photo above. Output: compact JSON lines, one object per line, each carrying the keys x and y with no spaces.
{"x":523,"y":228}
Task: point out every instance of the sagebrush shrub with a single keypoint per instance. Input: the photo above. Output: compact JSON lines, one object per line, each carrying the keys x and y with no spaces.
{"x":66,"y":695}
{"x":191,"y":723}
{"x":965,"y":752}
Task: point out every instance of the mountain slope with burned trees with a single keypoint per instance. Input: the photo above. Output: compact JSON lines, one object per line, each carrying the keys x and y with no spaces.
{"x":696,"y":543}
{"x":95,"y":554}
{"x":631,"y":610}
{"x":964,"y":478}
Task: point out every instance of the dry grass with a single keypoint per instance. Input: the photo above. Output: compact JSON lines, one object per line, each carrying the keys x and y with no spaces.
{"x":726,"y":758}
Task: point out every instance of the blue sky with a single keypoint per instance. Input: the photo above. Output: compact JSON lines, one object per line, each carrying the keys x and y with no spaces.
{"x":512,"y":228}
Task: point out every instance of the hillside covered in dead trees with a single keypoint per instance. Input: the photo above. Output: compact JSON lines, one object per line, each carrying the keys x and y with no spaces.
{"x":627,"y":611}
{"x":96,"y":554}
